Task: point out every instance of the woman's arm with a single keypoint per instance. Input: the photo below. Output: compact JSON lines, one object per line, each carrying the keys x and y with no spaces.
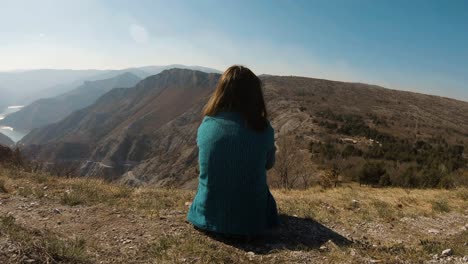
{"x":271,"y":154}
{"x":271,"y":158}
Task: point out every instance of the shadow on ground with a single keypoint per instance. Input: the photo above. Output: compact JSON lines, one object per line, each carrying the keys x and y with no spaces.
{"x":294,"y":234}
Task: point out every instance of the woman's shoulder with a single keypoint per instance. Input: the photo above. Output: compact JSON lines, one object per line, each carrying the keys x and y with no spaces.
{"x":232,"y":119}
{"x":210,"y":120}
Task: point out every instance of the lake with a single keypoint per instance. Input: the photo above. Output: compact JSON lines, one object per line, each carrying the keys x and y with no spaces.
{"x":15,"y":134}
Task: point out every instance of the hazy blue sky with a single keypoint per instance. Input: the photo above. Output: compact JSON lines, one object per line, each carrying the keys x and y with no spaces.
{"x":412,"y":45}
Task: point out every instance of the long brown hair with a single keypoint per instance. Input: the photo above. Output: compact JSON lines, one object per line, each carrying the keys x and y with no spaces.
{"x":239,"y":90}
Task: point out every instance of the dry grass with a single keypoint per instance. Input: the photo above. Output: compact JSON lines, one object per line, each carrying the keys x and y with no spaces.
{"x":41,"y":246}
{"x":354,"y":202}
{"x":3,"y":186}
{"x":343,"y":209}
{"x":91,"y":191}
{"x":440,"y":205}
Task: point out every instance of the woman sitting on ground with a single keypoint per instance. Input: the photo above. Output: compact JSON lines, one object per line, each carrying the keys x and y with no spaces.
{"x":236,"y":148}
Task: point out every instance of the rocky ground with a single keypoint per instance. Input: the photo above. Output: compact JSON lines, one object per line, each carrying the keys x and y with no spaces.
{"x":54,"y":220}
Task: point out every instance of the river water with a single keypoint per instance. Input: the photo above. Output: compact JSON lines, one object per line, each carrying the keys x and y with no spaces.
{"x":15,"y":134}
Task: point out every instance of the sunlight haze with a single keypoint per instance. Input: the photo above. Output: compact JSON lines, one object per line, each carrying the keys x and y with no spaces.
{"x":410,"y":45}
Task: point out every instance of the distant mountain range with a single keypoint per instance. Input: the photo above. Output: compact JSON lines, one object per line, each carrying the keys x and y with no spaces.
{"x":17,"y":87}
{"x":6,"y":141}
{"x":146,"y":134}
{"x":24,"y":87}
{"x":46,"y":111}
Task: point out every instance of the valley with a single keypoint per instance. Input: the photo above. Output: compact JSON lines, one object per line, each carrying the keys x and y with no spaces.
{"x":146,"y":134}
{"x":13,"y":134}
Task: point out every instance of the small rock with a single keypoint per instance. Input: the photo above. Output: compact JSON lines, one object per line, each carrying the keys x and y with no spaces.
{"x":127,"y":241}
{"x":465,"y":259}
{"x":323,"y":248}
{"x":355,"y":203}
{"x":433,"y":231}
{"x":375,"y":261}
{"x":56,"y":210}
{"x":446,"y":252}
{"x":188,"y":203}
{"x":250,"y":255}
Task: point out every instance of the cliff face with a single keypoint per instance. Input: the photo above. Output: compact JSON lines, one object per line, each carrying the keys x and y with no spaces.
{"x":146,"y":134}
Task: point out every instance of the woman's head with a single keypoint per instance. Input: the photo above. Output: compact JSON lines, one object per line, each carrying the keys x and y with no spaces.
{"x":239,"y":90}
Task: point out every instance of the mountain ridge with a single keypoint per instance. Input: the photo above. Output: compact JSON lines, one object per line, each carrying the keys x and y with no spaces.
{"x":50,"y":110}
{"x":146,"y":134}
{"x":24,"y":87}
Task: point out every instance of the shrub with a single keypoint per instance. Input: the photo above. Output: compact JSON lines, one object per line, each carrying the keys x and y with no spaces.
{"x":72,"y":199}
{"x":408,"y":178}
{"x":371,"y":172}
{"x":463,"y":193}
{"x":328,"y":179}
{"x":384,"y":209}
{"x":3,"y":188}
{"x":447,"y":182}
{"x":350,"y":150}
{"x":440,"y":206}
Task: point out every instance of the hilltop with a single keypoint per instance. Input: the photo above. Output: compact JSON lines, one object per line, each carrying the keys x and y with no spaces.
{"x":85,"y":220}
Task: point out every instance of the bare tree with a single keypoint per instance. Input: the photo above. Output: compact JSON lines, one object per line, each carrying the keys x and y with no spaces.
{"x":329,"y":178}
{"x":292,"y":164}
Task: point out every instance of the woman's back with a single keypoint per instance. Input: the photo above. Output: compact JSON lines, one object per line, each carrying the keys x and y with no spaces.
{"x":233,"y":196}
{"x":236,"y":147}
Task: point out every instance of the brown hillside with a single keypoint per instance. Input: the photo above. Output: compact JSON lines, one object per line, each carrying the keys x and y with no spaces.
{"x":146,"y":134}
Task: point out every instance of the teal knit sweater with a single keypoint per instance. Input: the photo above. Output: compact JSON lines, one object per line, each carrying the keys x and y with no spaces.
{"x":233,"y":195}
